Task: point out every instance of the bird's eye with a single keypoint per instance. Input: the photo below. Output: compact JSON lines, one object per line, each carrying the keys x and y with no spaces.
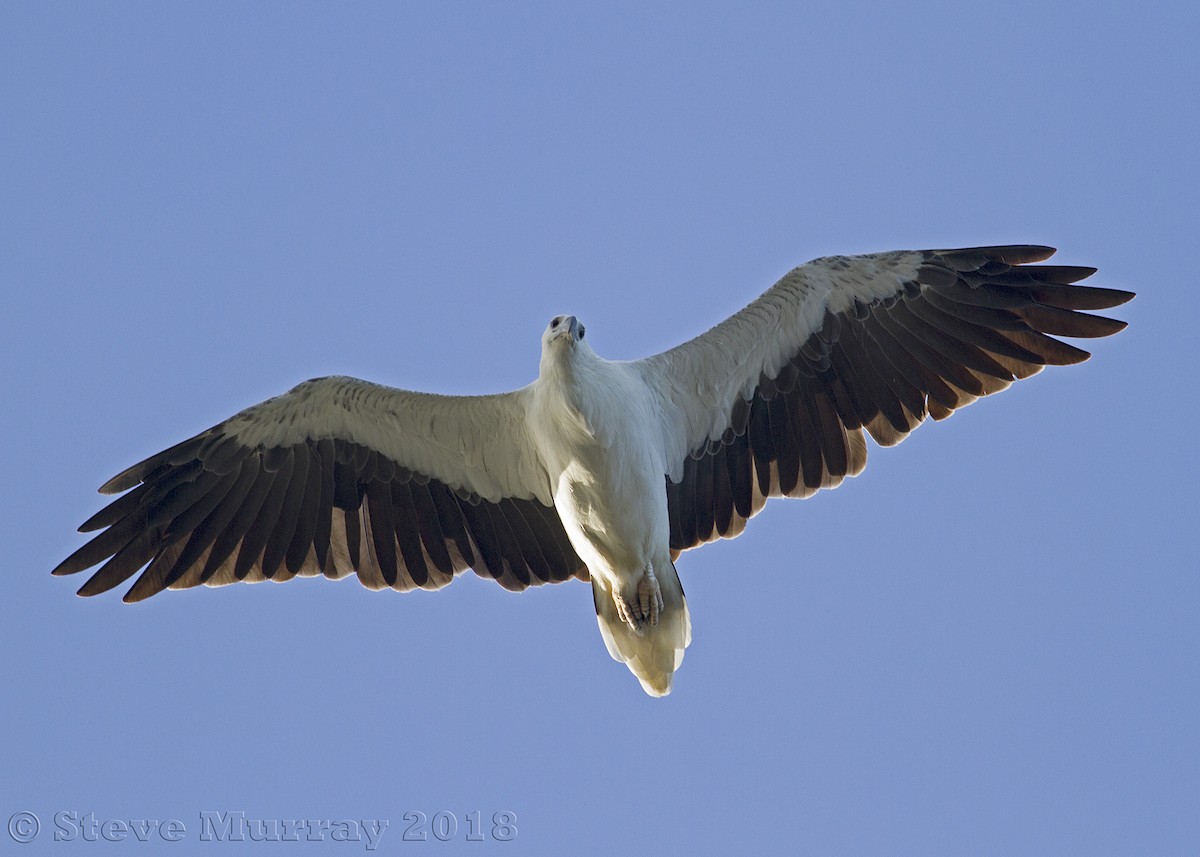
{"x":582,"y":330}
{"x":554,"y":321}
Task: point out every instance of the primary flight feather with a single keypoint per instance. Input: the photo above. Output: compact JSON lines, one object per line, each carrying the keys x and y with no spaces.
{"x":600,"y":470}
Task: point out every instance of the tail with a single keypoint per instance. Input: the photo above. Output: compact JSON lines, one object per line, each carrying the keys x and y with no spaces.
{"x":653,"y":652}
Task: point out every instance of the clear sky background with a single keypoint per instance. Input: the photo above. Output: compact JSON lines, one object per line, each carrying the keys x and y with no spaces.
{"x":986,"y":645}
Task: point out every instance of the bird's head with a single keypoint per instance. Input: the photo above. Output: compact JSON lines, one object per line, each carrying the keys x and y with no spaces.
{"x":563,"y":331}
{"x":562,"y":344}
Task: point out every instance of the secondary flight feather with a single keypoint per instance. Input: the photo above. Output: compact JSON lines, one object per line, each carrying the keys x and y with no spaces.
{"x":599,"y":470}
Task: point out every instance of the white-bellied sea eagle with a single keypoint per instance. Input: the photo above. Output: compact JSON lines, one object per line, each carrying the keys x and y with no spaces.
{"x":598,"y":470}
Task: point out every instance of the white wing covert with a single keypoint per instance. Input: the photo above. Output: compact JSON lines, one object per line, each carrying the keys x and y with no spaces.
{"x":774,"y":401}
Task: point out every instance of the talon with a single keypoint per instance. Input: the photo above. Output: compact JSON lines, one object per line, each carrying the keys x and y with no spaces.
{"x":649,"y":597}
{"x":644,"y":605}
{"x":628,"y":612}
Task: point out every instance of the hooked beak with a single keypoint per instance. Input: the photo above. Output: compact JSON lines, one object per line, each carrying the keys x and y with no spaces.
{"x":568,"y":328}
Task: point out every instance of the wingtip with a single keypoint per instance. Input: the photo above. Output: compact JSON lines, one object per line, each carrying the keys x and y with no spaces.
{"x":94,"y":586}
{"x":1022,"y":254}
{"x":73,"y":564}
{"x":130,"y":598}
{"x":123,"y":481}
{"x":87,"y":590}
{"x":971,"y":258}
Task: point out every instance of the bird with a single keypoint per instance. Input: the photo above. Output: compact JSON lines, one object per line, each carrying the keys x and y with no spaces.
{"x":601,"y":471}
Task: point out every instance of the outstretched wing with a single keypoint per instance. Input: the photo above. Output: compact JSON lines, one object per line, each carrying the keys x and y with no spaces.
{"x":775,"y":400}
{"x":337,"y":476}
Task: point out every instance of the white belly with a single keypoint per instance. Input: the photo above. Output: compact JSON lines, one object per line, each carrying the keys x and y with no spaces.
{"x":600,"y":437}
{"x":607,"y":474}
{"x":615,"y":516}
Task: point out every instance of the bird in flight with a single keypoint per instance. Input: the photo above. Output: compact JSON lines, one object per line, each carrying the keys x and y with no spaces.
{"x":604,"y":471}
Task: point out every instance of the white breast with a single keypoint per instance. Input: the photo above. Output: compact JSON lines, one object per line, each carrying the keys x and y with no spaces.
{"x":593,"y":427}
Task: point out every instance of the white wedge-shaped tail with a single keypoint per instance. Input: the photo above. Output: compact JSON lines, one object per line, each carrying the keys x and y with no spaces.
{"x":653,"y":651}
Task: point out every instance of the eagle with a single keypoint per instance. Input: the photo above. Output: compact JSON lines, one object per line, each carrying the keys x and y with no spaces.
{"x":599,"y":470}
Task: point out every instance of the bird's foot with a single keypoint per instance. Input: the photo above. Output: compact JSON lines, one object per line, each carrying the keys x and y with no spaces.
{"x":645,"y":606}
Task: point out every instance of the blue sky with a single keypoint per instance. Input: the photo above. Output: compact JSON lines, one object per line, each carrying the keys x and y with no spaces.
{"x":986,"y":645}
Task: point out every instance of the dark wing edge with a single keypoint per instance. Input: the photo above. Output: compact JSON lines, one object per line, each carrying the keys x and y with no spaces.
{"x":972,"y":321}
{"x":214,"y":511}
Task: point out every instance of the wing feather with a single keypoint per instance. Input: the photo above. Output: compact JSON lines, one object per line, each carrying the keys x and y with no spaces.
{"x":336,"y":477}
{"x":253,"y":550}
{"x":780,"y":395}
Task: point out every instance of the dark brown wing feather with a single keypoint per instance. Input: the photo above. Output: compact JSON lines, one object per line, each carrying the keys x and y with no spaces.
{"x":974,"y":321}
{"x":210,"y":510}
